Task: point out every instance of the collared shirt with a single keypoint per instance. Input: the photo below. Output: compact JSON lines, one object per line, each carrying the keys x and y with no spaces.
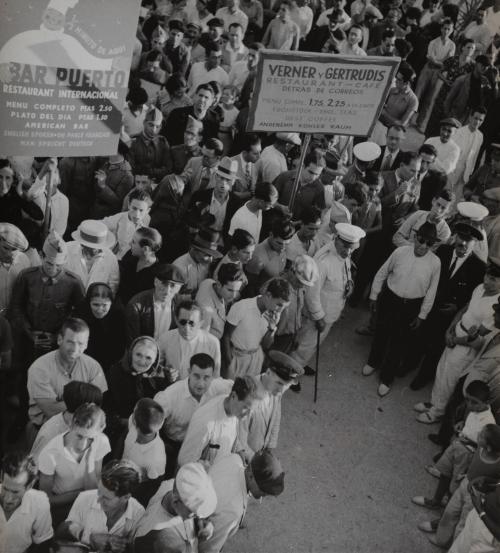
{"x":179,"y":405}
{"x":104,"y":268}
{"x":59,"y":210}
{"x":87,"y":513}
{"x":232,"y":16}
{"x":448,"y":154}
{"x":124,"y":229}
{"x":218,"y":210}
{"x":405,"y":235}
{"x":326,"y":298}
{"x":281,"y":36}
{"x":47,"y":378}
{"x":469,"y":144}
{"x":209,"y":426}
{"x":163,"y":318}
{"x":69,"y":474}
{"x":457,"y":262}
{"x":199,"y":74}
{"x":150,"y":458}
{"x":43,"y":303}
{"x":50,"y":429}
{"x":29,"y":524}
{"x":8,"y":275}
{"x":179,"y":534}
{"x":250,"y":324}
{"x":214,"y":308}
{"x":272,"y":163}
{"x":409,"y":277}
{"x":177,"y":352}
{"x":231,"y":56}
{"x":238,"y":74}
{"x":312,"y":193}
{"x":194,"y":273}
{"x":480,"y":34}
{"x":440,"y":51}
{"x":228,"y":478}
{"x":400,"y":104}
{"x":296,"y":247}
{"x":246,"y":220}
{"x":133,"y":122}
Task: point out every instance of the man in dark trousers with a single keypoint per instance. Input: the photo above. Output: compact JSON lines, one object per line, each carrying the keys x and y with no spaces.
{"x":461,"y":272}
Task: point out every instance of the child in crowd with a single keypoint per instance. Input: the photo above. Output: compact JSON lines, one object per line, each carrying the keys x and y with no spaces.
{"x":229,"y":115}
{"x":456,"y":459}
{"x":124,"y":224}
{"x":75,"y":393}
{"x":71,"y":462}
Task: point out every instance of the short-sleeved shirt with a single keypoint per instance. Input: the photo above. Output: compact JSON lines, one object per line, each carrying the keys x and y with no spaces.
{"x":246,"y":220}
{"x":251,"y":325}
{"x":214,"y":308}
{"x":29,"y":524}
{"x":69,"y":474}
{"x":267,"y":261}
{"x":47,"y":378}
{"x":150,"y":457}
{"x":87,"y":512}
{"x":399,"y":103}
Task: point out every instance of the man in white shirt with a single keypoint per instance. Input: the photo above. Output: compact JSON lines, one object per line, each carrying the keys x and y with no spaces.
{"x":90,"y":256}
{"x":235,"y":51}
{"x":231,"y":13}
{"x":479,"y":31}
{"x":27,"y":511}
{"x":213,"y":430}
{"x":240,"y":70}
{"x":273,"y":159}
{"x":177,"y":346}
{"x":469,"y":139}
{"x":234,"y":484}
{"x":180,"y":400}
{"x":448,"y":152}
{"x":208,"y":70}
{"x":325,"y":299}
{"x":427,"y":89}
{"x":407,"y":284}
{"x":492,"y":18}
{"x":134,"y":112}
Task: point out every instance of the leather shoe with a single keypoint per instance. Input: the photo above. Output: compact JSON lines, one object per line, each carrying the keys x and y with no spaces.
{"x":296,"y":387}
{"x":309,"y":371}
{"x":383,"y":390}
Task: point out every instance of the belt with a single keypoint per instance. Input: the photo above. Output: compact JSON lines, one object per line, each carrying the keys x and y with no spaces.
{"x":404,"y":300}
{"x":241,"y":351}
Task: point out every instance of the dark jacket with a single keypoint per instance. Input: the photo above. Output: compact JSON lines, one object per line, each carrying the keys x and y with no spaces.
{"x":150,"y":157}
{"x":119,"y":181}
{"x":11,"y":211}
{"x":394,"y":165}
{"x":132,"y":281}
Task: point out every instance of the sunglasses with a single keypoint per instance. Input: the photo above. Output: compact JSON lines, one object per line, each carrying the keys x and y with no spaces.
{"x":422,"y":240}
{"x":184,"y":322}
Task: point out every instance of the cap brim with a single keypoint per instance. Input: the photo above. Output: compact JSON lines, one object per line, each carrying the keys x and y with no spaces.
{"x":214,"y":253}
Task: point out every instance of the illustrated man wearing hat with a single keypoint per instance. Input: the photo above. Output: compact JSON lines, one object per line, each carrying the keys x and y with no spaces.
{"x":260,"y":429}
{"x":195,"y":264}
{"x":486,"y":177}
{"x":326,"y":299}
{"x":273,"y":158}
{"x":405,"y":287}
{"x":219,"y":201}
{"x":149,"y":152}
{"x":448,"y":152}
{"x":173,"y":521}
{"x":365,"y":155}
{"x":461,"y":272}
{"x":233,"y":484}
{"x":12,"y":260}
{"x":90,"y":256}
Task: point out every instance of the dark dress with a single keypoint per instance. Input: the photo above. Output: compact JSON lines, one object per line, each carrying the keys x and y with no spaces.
{"x":132,"y":281}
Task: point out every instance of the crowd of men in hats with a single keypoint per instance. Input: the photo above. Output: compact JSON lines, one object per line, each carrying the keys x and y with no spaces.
{"x":156,"y":304}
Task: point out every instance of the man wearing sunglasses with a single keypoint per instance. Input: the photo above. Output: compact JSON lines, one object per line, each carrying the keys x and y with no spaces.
{"x":405,"y":287}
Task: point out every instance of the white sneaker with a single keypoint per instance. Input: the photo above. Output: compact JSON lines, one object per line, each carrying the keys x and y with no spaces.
{"x":422,"y":407}
{"x":368,"y":370}
{"x":383,"y":390}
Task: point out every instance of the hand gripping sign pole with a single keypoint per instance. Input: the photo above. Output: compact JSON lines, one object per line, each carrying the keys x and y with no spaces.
{"x":307,"y":92}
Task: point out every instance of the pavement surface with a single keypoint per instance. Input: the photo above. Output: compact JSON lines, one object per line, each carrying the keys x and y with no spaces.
{"x":352,"y":461}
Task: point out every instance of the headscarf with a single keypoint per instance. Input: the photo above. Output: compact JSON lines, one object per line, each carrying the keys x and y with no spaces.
{"x":127,"y":358}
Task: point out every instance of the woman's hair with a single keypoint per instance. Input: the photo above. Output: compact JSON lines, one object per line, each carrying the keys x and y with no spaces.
{"x":15,"y":463}
{"x":120,"y":477}
{"x":89,"y":415}
{"x":99,"y":290}
{"x":149,"y":237}
{"x":77,"y":393}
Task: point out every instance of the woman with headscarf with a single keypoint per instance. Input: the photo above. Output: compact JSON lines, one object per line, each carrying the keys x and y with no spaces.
{"x":106,"y":322}
{"x":137,"y":375}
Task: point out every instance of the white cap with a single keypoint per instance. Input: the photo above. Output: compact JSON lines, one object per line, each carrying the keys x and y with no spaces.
{"x":62,"y":6}
{"x":291,"y":137}
{"x":472,"y":210}
{"x":196,"y":489}
{"x":367,"y":151}
{"x":349,"y":233}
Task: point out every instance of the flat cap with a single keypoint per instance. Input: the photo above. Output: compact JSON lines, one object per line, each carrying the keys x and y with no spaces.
{"x":291,"y":137}
{"x":349,"y":233}
{"x":166,"y":272}
{"x":367,"y":151}
{"x":284,"y":366}
{"x":472,"y":210}
{"x":13,"y":236}
{"x":450,"y":121}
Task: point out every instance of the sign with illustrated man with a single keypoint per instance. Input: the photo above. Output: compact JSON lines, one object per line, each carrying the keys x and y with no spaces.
{"x":319,"y":93}
{"x":64,"y":68}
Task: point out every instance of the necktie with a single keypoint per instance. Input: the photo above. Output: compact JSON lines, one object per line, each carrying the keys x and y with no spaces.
{"x":205,"y":178}
{"x":248,"y":175}
{"x":386,"y":162}
{"x":453,"y":265}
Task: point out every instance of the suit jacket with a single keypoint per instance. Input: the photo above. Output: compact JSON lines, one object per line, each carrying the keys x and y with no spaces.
{"x":393,"y":210}
{"x":458,"y":289}
{"x":192,"y":175}
{"x":395,"y":162}
{"x":175,"y":125}
{"x":140,"y":315}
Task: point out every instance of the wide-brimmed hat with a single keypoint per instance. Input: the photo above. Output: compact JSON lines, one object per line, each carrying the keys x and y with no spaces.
{"x":350,"y":233}
{"x":227,"y":168}
{"x":306,"y":270}
{"x":467,"y":232}
{"x":290,"y":137}
{"x":207,"y":242}
{"x":366,"y":151}
{"x":93,"y":234}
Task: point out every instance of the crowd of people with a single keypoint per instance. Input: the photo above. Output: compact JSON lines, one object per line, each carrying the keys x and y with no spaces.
{"x":156,"y":304}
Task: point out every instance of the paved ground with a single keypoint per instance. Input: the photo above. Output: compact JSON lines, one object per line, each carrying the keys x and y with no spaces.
{"x":352,"y":463}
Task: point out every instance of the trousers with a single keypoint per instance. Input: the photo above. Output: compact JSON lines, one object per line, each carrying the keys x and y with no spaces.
{"x":428,"y":87}
{"x":454,"y":515}
{"x":475,"y":537}
{"x":307,"y":339}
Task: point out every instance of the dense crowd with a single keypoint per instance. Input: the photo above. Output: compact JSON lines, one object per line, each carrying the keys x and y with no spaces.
{"x":156,"y":304}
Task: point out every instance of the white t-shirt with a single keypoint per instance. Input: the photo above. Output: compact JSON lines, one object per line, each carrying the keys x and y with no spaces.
{"x":70,"y":475}
{"x":50,"y":429}
{"x":150,"y":457}
{"x":246,"y":220}
{"x":251,"y":325}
